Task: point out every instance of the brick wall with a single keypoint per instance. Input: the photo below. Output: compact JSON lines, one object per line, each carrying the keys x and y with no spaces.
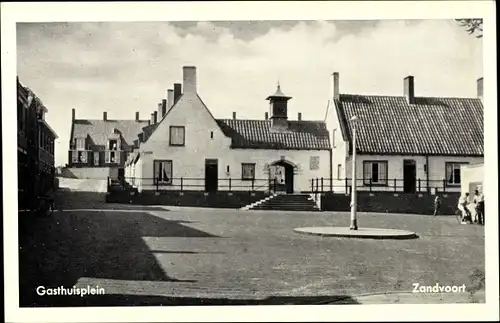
{"x":391,"y":202}
{"x":188,"y":198}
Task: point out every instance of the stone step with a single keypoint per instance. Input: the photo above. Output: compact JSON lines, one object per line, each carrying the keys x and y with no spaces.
{"x":290,"y":202}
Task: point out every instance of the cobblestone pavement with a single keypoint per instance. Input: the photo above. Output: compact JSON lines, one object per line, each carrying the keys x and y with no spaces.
{"x":188,"y":256}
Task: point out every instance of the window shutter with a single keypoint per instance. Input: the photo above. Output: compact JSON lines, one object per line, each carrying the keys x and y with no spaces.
{"x":367,"y":174}
{"x":107,"y":157}
{"x":383,"y":172}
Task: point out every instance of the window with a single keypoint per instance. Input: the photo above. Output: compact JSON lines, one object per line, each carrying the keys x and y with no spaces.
{"x":247,"y":171}
{"x":339,"y":170}
{"x":82,"y":157}
{"x":114,"y":157}
{"x":177,"y":134}
{"x":453,"y":173}
{"x":334,"y":133}
{"x":74,"y":156}
{"x":80,"y":144}
{"x":163,"y":171}
{"x":96,"y":158}
{"x":376,"y":171}
{"x":113,"y":145}
{"x":211,"y":135}
{"x":314,"y":163}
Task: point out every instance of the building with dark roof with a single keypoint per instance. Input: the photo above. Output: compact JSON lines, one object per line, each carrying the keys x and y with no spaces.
{"x":98,"y":148}
{"x":35,"y":148}
{"x":187,"y":148}
{"x":406,"y":143}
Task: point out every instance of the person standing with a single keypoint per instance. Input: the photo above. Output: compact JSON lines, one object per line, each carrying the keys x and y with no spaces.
{"x":479,"y":201}
{"x":463,"y":201}
{"x":437,"y":205}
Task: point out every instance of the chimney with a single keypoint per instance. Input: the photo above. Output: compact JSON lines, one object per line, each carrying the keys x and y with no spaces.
{"x":137,"y":116}
{"x":159,"y":112}
{"x":170,"y":99}
{"x":336,"y":86}
{"x":299,"y":116}
{"x":480,"y":88}
{"x":409,"y":89}
{"x":177,"y":92}
{"x":266,"y":116}
{"x":153,"y":118}
{"x":234,"y":115}
{"x":105,"y":116}
{"x":73,"y":113}
{"x":189,"y":79}
{"x":163,"y":107}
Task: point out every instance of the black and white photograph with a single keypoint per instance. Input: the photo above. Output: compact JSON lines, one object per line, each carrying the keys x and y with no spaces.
{"x":227,"y":160}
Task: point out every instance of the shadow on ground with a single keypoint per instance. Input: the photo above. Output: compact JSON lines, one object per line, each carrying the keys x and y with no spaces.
{"x":133,"y":300}
{"x":67,"y":200}
{"x":58,"y":250}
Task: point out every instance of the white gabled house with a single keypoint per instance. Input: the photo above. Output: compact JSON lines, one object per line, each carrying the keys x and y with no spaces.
{"x":189,"y":149}
{"x":405,"y":143}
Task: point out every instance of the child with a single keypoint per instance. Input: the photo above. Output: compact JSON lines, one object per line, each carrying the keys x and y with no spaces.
{"x":437,"y":204}
{"x":462,"y":206}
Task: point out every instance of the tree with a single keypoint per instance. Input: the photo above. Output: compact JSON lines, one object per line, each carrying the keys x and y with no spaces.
{"x":473,"y":26}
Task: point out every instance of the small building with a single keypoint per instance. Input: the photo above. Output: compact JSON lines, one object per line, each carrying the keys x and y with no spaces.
{"x":35,"y":147}
{"x":189,"y":149}
{"x":98,"y":148}
{"x":405,"y":143}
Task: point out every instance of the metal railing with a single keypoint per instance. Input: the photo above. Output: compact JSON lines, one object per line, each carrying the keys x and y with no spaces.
{"x":323,"y":185}
{"x":193,"y":184}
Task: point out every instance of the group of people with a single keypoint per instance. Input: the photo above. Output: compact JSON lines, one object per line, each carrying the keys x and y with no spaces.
{"x":465,"y":208}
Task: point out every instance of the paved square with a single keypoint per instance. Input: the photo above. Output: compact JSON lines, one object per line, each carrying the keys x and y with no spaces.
{"x":158,"y":257}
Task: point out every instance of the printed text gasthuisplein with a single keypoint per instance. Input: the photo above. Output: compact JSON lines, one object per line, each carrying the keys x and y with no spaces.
{"x":64,"y":291}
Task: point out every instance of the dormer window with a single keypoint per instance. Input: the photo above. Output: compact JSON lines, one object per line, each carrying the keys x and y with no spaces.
{"x":80,"y":143}
{"x":113,"y":145}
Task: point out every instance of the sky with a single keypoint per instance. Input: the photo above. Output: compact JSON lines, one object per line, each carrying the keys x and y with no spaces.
{"x":124,"y":67}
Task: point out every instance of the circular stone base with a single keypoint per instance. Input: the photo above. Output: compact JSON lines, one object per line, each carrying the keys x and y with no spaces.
{"x":366,"y":233}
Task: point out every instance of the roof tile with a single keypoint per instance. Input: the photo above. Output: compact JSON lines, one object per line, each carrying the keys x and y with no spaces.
{"x":100,"y":131}
{"x":430,"y":126}
{"x":259,"y":134}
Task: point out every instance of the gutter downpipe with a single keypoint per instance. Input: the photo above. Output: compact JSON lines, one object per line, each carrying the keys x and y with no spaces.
{"x":427,"y":172}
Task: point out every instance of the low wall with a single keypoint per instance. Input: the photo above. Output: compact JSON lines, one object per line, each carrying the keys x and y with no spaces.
{"x":91,"y":172}
{"x":386,"y":202}
{"x":187,"y":198}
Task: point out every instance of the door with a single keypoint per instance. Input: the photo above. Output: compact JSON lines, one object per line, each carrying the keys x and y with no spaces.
{"x":211,"y":175}
{"x":121,"y":173}
{"x":409,"y":176}
{"x":289,"y":179}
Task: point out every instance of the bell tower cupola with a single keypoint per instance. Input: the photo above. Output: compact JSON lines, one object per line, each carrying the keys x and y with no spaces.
{"x":279,"y":109}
